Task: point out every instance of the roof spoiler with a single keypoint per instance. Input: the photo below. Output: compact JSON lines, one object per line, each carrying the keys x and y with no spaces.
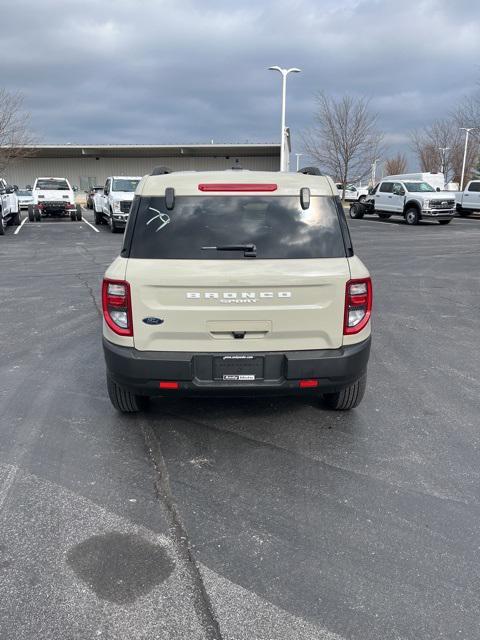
{"x":310,"y":171}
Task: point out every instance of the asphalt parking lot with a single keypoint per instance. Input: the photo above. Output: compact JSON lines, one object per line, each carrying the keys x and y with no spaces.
{"x":258,"y":519}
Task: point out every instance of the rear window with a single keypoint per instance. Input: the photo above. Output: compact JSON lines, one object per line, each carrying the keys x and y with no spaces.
{"x":52,"y":185}
{"x":277,"y":226}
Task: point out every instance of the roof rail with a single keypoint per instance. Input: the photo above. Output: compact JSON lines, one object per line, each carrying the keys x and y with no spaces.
{"x":160,"y":171}
{"x":310,"y":171}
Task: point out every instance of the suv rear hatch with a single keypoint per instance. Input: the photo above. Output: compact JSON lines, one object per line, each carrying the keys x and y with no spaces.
{"x":197,"y":287}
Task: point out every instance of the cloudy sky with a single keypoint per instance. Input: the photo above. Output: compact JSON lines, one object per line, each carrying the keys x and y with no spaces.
{"x":174,"y":71}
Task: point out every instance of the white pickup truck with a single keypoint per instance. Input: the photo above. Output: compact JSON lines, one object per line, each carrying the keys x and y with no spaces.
{"x":112,"y":206}
{"x":9,"y":206}
{"x":468,"y":201}
{"x":53,"y":197}
{"x":352,"y":193}
{"x":414,"y":200}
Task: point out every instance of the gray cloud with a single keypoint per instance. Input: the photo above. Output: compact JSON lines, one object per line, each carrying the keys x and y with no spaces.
{"x":165,"y":71}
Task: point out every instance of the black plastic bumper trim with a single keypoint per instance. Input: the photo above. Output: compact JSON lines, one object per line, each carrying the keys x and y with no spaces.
{"x":141,"y":371}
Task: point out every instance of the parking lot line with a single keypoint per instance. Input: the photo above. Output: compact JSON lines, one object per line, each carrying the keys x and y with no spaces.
{"x":90,"y":225}
{"x":17,"y":230}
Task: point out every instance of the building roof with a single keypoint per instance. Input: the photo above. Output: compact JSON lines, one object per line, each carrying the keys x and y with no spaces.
{"x":153,"y":150}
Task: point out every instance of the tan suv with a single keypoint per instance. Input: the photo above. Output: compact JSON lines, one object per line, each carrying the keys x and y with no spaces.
{"x":236,"y":283}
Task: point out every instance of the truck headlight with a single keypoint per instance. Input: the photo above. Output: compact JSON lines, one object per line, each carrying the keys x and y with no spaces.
{"x":116,"y":207}
{"x":426,"y":204}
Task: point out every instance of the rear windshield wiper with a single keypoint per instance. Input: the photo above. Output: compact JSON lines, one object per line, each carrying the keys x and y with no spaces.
{"x":249,"y":250}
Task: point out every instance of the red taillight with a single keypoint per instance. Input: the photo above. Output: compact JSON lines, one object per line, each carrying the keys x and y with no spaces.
{"x":358,"y":305}
{"x":308,"y":384}
{"x":168,"y":385}
{"x":240,"y":187}
{"x":117,"y":306}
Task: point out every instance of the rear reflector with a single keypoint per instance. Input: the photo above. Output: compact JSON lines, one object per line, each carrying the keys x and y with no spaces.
{"x":237,"y":187}
{"x":308,"y":384}
{"x":168,"y":385}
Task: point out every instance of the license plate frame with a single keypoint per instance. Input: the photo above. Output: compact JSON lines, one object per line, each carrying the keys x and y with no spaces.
{"x":238,"y":368}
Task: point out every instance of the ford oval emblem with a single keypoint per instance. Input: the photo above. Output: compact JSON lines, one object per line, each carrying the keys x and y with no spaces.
{"x":152,"y":320}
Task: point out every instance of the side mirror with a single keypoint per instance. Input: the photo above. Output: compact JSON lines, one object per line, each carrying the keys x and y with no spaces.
{"x":370,"y":191}
{"x":438,"y":189}
{"x":75,"y":188}
{"x":9,"y":190}
{"x":15,"y":187}
{"x":305,"y":197}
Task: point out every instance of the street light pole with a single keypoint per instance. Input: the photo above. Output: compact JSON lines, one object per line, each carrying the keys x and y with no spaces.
{"x":284,"y":73}
{"x":467,"y":130}
{"x":374,"y":170}
{"x":298,"y":160}
{"x":444,"y":151}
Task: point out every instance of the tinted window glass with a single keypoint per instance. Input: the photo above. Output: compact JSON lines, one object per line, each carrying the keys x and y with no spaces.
{"x":277,"y":226}
{"x":474,"y":186}
{"x":386,"y":187}
{"x":122,"y":184}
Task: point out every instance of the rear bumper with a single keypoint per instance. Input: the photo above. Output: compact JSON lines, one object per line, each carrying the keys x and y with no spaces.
{"x":141,"y":371}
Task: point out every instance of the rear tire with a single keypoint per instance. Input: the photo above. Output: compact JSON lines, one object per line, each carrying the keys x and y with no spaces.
{"x":123,"y":400}
{"x":31,"y":215}
{"x":444,"y":221}
{"x":72,"y":216}
{"x":38,"y":216}
{"x":98,"y":217}
{"x":16,"y":220}
{"x":2,"y":225}
{"x":78,"y":213}
{"x":357,"y":211}
{"x":412,"y":216}
{"x":348,"y":398}
{"x":113,"y":226}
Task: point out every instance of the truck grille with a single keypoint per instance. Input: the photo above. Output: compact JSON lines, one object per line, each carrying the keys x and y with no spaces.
{"x":442,"y":204}
{"x":125,"y":206}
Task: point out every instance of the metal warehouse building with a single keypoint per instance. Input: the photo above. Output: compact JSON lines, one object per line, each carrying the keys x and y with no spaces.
{"x":88,"y":165}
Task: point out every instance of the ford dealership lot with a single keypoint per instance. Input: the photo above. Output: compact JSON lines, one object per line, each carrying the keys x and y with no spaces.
{"x":241,"y":518}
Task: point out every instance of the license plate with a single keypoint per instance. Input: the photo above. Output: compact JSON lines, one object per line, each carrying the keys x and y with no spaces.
{"x":238,"y":368}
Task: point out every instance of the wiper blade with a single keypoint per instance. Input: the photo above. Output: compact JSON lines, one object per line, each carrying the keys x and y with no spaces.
{"x":249,"y":250}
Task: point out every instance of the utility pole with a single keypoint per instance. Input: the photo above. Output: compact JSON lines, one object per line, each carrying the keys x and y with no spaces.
{"x":467,"y":130}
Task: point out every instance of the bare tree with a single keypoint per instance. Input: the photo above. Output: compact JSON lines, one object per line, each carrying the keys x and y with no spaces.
{"x":468,"y":115}
{"x":344,"y":139}
{"x":396,"y":165}
{"x":440,"y":147}
{"x":15,"y":136}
